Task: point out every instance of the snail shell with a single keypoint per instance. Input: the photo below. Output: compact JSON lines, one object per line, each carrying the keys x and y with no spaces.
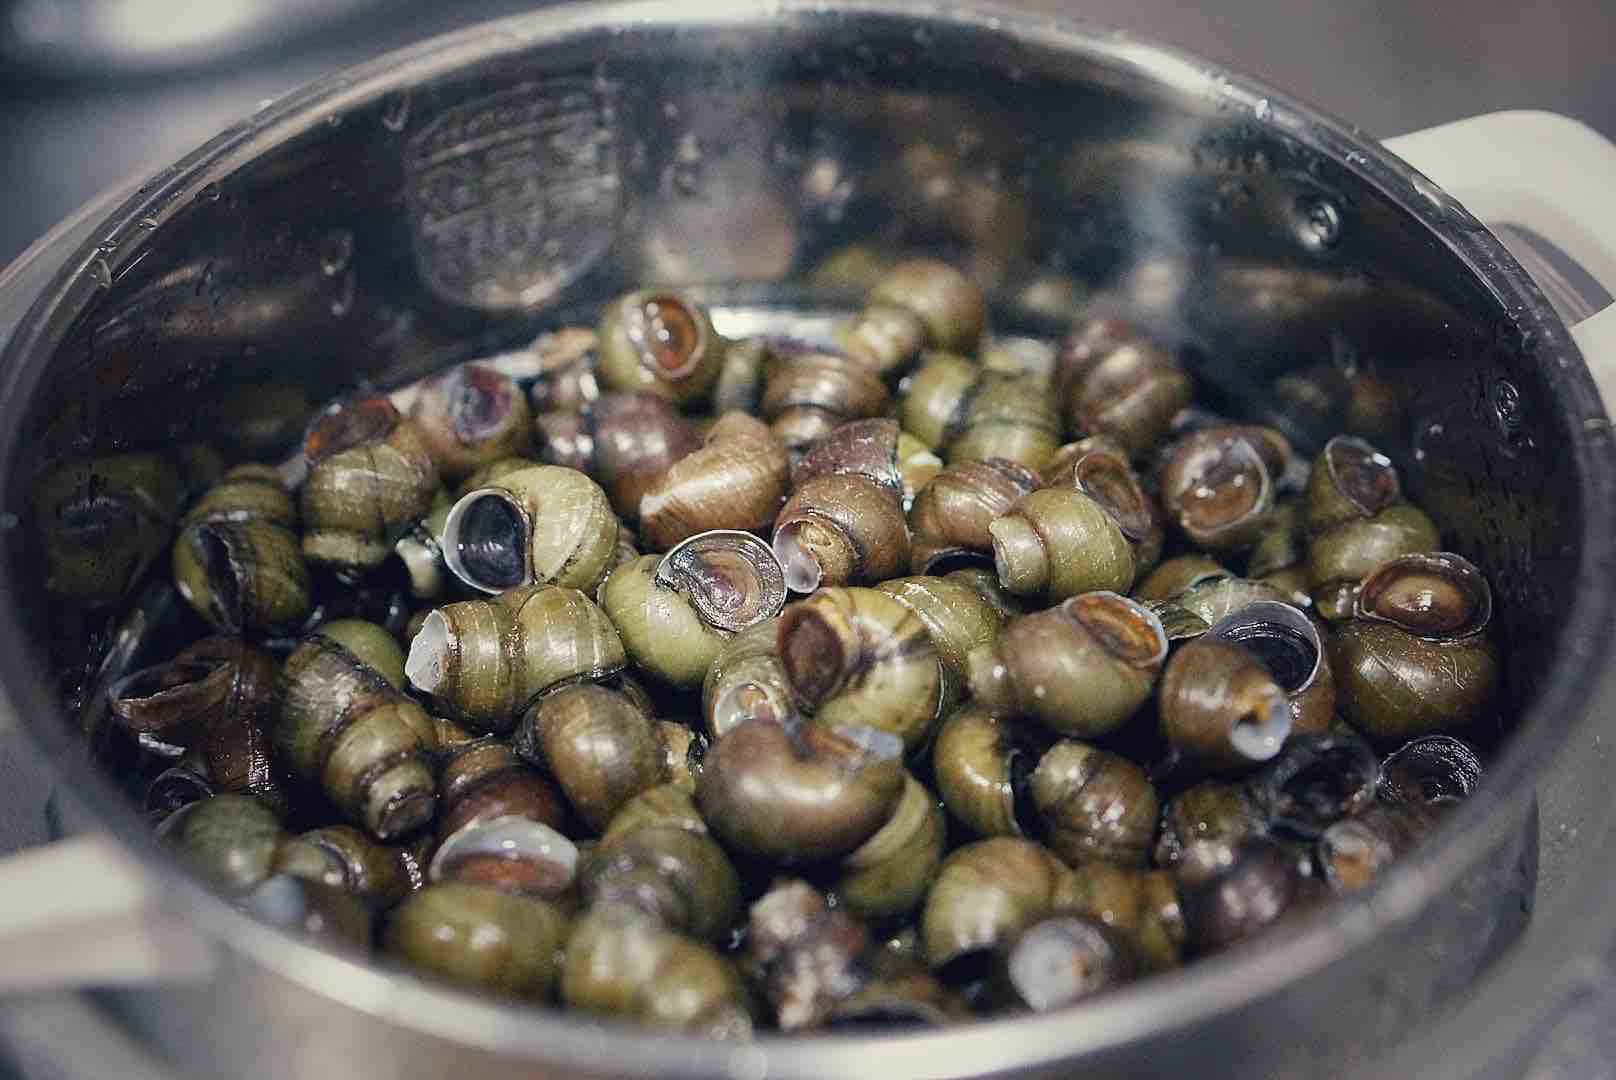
{"x":565,"y":360}
{"x":747,"y":681}
{"x":1113,"y":380}
{"x":888,"y":875}
{"x":481,"y":936}
{"x":799,"y":791}
{"x":986,"y":892}
{"x":659,"y":341}
{"x":469,"y":416}
{"x":810,"y":392}
{"x":625,"y":442}
{"x":484,"y":779}
{"x":951,"y":514}
{"x":839,"y":529}
{"x":948,"y":302}
{"x":737,"y":480}
{"x":1221,"y":707}
{"x":675,"y":612}
{"x":598,"y":744}
{"x":229,"y":839}
{"x":342,"y":857}
{"x":622,"y":964}
{"x":370,"y":476}
{"x":484,"y":660}
{"x":1079,"y":669}
{"x":1057,"y":543}
{"x":958,"y":619}
{"x":99,"y":524}
{"x":859,"y":658}
{"x":343,"y":725}
{"x":543,"y":525}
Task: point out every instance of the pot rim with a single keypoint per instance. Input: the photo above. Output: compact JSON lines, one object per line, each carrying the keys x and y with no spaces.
{"x":1165,"y":1003}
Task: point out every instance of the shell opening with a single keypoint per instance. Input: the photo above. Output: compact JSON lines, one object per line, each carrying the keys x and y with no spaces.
{"x":1259,"y":731}
{"x":745,"y":701}
{"x":427,"y":665}
{"x":512,"y":853}
{"x":732,"y":578}
{"x":667,"y":333}
{"x":1442,"y":596}
{"x":213,"y":552}
{"x":800,"y":567}
{"x":1128,"y":629}
{"x":1363,"y":474}
{"x":1220,"y":485}
{"x":485,"y":541}
{"x":347,"y":424}
{"x":478,"y":401}
{"x":1108,"y":480}
{"x":1279,"y":635}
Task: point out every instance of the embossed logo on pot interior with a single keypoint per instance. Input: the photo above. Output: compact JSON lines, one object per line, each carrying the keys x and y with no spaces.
{"x":514,"y":195}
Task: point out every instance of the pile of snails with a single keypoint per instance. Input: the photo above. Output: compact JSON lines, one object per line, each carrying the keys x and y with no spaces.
{"x":730,"y":685}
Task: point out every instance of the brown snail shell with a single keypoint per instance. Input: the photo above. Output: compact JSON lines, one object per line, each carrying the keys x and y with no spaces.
{"x":676,"y":611}
{"x":958,"y":619}
{"x":659,"y":341}
{"x":543,"y":525}
{"x":858,"y":658}
{"x":625,"y":442}
{"x":1203,"y":826}
{"x":810,"y":392}
{"x":1143,"y":905}
{"x":1221,"y":707}
{"x":370,"y":476}
{"x":747,"y":681}
{"x":1093,"y":804}
{"x":1349,"y":481}
{"x":1104,"y":475}
{"x":369,"y":747}
{"x":1418,"y":659}
{"x":230,"y":840}
{"x":234,"y":739}
{"x":471,"y":415}
{"x":243,"y":578}
{"x":951,"y":514}
{"x":676,"y":875}
{"x":868,"y":448}
{"x":1177,"y":575}
{"x":484,"y":660}
{"x":1079,"y":669}
{"x":741,"y":374}
{"x":1113,"y":380}
{"x":598,"y":744}
{"x":1217,"y":487}
{"x":840,"y":529}
{"x":737,"y":480}
{"x":799,"y":791}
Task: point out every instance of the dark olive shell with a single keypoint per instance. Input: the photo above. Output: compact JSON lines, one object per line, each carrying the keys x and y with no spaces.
{"x":1113,"y":380}
{"x":1315,"y":781}
{"x":948,"y":302}
{"x":1440,"y":596}
{"x":737,"y":480}
{"x":626,"y":442}
{"x":659,"y":341}
{"x":1429,"y":769}
{"x":951,"y":514}
{"x":1350,"y":480}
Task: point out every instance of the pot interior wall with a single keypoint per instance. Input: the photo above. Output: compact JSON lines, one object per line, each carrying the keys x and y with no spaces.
{"x":387,"y":236}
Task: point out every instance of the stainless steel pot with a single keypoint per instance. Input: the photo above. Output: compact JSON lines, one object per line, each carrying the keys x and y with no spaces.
{"x":447,"y":201}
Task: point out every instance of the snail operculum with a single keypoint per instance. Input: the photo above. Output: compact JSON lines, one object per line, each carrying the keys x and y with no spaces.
{"x":731,"y":577}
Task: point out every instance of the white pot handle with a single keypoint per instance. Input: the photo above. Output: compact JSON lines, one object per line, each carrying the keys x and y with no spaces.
{"x":82,"y":912}
{"x":1547,"y":173}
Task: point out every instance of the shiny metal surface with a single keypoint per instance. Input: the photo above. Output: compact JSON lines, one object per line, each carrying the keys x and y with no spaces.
{"x":405,"y":215}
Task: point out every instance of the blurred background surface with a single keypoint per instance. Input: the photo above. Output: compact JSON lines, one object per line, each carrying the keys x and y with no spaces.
{"x":95,"y":91}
